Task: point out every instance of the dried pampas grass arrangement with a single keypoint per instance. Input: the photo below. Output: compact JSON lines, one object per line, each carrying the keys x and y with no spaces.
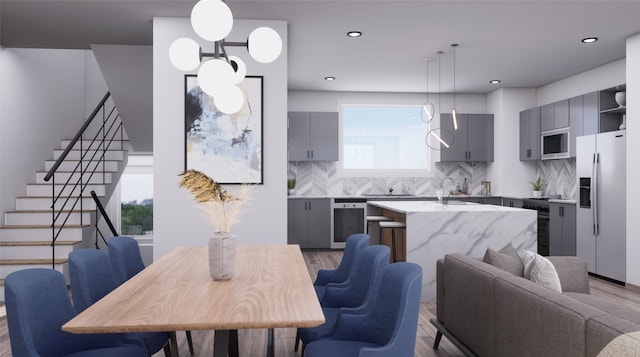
{"x":222,"y":208}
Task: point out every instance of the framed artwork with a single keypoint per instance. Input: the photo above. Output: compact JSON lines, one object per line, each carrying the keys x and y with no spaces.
{"x":227,"y":147}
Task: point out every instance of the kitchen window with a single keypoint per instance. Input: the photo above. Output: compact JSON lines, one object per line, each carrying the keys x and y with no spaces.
{"x":385,"y":140}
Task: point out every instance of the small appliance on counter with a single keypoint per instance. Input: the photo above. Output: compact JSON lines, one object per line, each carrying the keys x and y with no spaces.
{"x":485,"y":188}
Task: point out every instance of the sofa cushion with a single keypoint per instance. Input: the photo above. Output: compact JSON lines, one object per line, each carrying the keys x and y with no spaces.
{"x":609,"y":306}
{"x":541,"y":271}
{"x":506,"y":259}
{"x":609,"y":336}
{"x":535,"y":321}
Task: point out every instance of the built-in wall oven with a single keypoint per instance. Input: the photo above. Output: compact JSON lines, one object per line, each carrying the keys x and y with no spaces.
{"x":348,"y":216}
{"x":541,"y":205}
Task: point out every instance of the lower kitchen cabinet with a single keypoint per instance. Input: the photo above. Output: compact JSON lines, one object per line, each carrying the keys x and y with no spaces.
{"x":512,"y":202}
{"x":484,"y":200}
{"x":562,"y":229}
{"x":309,"y":222}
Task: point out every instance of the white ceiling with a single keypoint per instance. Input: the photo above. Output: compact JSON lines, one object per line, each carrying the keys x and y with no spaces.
{"x":523,"y":43}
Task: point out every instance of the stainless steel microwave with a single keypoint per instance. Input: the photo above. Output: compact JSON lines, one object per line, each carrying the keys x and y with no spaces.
{"x":554,"y":144}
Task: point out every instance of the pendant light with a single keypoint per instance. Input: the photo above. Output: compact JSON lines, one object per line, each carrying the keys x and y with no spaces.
{"x":442,"y":138}
{"x":453,"y":110}
{"x":428,"y":108}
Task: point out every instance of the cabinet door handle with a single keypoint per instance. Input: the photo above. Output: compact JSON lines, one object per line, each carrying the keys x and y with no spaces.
{"x":309,"y":206}
{"x":529,"y":153}
{"x":312,"y":154}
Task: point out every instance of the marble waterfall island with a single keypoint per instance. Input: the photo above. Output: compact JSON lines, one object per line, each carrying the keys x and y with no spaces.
{"x":434,"y":230}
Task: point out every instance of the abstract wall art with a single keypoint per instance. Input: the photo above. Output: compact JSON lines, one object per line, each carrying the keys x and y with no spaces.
{"x":226,"y":147}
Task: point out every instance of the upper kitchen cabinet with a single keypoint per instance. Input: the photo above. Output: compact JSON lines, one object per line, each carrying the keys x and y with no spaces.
{"x":473,"y":141}
{"x":583,"y":118}
{"x":612,"y":112}
{"x":313,"y":136}
{"x":554,"y":116}
{"x":530,"y":134}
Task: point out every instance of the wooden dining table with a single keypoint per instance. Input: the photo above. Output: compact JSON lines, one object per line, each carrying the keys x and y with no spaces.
{"x":271,"y":288}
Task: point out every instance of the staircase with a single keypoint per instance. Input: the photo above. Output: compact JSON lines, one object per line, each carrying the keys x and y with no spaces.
{"x":27,"y":234}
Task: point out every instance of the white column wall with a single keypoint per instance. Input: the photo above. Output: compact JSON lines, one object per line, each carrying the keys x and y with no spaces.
{"x":633,"y":164}
{"x":177,"y":220}
{"x":508,"y":174}
{"x":46,"y":95}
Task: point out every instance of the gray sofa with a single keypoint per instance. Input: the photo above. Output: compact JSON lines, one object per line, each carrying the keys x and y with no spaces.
{"x":486,"y":311}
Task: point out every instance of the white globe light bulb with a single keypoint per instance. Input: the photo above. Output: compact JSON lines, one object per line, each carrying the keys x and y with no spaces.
{"x":184,"y":53}
{"x":264,"y":44}
{"x":211,"y":19}
{"x":215,"y":75}
{"x":241,"y":72}
{"x":230,"y":100}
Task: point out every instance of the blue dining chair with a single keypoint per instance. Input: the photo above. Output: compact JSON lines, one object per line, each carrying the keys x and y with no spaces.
{"x":352,"y":293}
{"x":126,"y":261}
{"x":91,"y":279}
{"x":354,"y":244}
{"x":38,"y":304}
{"x":386,"y":325}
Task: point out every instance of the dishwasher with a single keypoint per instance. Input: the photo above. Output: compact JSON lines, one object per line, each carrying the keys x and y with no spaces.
{"x":348,"y":216}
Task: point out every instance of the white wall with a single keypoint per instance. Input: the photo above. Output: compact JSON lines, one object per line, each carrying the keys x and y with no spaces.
{"x":47,"y":93}
{"x":599,"y":78}
{"x":508,"y":174}
{"x":633,"y":164}
{"x":128,"y":71}
{"x":331,"y":101}
{"x":177,"y":221}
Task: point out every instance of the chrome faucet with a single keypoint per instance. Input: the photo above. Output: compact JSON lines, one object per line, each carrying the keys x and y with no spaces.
{"x":442,"y":185}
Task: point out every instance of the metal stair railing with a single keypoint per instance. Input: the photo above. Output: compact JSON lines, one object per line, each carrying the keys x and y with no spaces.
{"x":63,"y":202}
{"x":100,"y":209}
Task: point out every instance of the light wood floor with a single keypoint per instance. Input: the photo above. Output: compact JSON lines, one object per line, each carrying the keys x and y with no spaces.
{"x":253,"y":342}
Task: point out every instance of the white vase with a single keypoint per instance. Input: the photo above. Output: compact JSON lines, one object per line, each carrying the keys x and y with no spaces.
{"x":621,"y":98}
{"x":222,"y":255}
{"x":623,"y":126}
{"x":536,"y":194}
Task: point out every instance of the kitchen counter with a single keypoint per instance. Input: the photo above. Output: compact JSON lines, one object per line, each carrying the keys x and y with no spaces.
{"x":434,"y":229}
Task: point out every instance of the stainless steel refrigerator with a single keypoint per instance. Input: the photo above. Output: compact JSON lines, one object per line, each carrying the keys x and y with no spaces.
{"x":601,"y":205}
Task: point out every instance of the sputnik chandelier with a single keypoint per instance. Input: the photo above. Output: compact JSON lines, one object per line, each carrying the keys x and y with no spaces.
{"x":220,"y":74}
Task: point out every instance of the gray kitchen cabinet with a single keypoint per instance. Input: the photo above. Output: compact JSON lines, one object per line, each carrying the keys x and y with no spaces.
{"x":583,"y":118}
{"x":313,"y":136}
{"x":554,"y":115}
{"x":309,"y":222}
{"x":562,"y":229}
{"x":530,"y":134}
{"x":512,"y":202}
{"x":473,"y":139}
{"x":497,"y":201}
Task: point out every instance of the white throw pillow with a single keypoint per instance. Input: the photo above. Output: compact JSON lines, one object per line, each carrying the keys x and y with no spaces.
{"x":541,"y":271}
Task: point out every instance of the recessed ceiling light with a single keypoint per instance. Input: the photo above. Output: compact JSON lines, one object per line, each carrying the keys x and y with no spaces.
{"x":329,"y":78}
{"x":589,"y":40}
{"x":354,"y":33}
{"x":494,"y":81}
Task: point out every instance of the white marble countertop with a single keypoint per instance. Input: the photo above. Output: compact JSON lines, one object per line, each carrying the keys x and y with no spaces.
{"x":432,"y":206}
